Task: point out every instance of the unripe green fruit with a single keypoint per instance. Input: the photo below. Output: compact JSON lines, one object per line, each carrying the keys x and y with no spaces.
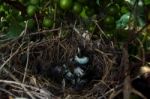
{"x":47,"y":22}
{"x":31,"y":10}
{"x":66,"y":4}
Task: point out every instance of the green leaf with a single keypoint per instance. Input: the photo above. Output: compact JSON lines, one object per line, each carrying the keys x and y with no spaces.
{"x":123,"y":21}
{"x":83,"y":14}
{"x":124,"y":9}
{"x":131,"y":2}
{"x":98,"y":2}
{"x":147,"y":2}
{"x":14,"y":31}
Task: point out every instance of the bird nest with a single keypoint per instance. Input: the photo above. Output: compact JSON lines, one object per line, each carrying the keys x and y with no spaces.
{"x":22,"y":59}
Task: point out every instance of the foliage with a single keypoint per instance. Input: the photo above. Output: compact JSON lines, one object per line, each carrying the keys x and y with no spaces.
{"x":116,"y":17}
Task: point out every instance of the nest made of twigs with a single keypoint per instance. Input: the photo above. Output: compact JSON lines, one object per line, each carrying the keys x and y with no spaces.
{"x":19,"y":70}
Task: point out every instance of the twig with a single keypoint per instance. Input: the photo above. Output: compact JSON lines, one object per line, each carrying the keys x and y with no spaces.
{"x":127,"y":88}
{"x":44,"y":31}
{"x":55,"y":12}
{"x":6,"y":91}
{"x":10,"y":74}
{"x":11,"y":57}
{"x":114,"y":94}
{"x":14,"y":78}
{"x":142,"y":51}
{"x":138,"y":93}
{"x":26,"y":65}
{"x":22,"y":85}
{"x":37,"y":22}
{"x":100,"y":29}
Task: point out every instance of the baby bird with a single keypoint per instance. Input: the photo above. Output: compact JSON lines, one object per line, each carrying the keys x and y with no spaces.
{"x":83,"y":58}
{"x":79,"y":73}
{"x":56,"y":73}
{"x":68,"y":75}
